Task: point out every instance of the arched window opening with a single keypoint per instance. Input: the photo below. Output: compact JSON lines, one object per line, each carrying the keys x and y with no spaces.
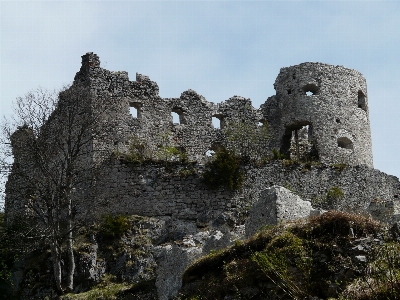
{"x":218,"y":121}
{"x":177,"y":116}
{"x":298,"y":142}
{"x":345,"y":143}
{"x":310,"y":89}
{"x":135,"y":110}
{"x":361,"y":101}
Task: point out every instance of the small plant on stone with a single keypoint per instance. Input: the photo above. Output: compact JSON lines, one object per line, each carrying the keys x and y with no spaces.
{"x":168,"y":151}
{"x":339,"y":167}
{"x":137,"y":150}
{"x":334,"y":194}
{"x":187,"y":171}
{"x":277,"y":155}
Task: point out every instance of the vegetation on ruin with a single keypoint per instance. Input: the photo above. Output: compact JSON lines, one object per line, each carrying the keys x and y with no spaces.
{"x":277,"y":155}
{"x":51,"y":138}
{"x":114,"y":226}
{"x":301,"y":259}
{"x":247,"y":140}
{"x":223,"y":170}
{"x":109,"y":289}
{"x":139,"y":151}
{"x":330,"y":199}
{"x":339,"y":167}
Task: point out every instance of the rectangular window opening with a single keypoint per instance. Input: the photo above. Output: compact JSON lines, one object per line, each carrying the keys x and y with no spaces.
{"x":133,"y":111}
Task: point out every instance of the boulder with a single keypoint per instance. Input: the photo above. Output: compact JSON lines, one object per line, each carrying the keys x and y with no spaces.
{"x":276,"y":204}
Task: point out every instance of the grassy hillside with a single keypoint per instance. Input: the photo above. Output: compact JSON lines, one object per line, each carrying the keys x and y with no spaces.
{"x":336,"y":255}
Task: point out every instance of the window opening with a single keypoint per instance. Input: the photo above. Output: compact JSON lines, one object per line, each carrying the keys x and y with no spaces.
{"x":135,"y":110}
{"x":175,"y":118}
{"x":338,"y":120}
{"x":289,"y":91}
{"x":178,"y":116}
{"x":310,"y":89}
{"x":298,"y":143}
{"x":344,"y":142}
{"x":361,"y":101}
{"x":210,"y":153}
{"x":216,"y":122}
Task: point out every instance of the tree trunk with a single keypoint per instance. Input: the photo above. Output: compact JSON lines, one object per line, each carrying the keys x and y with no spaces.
{"x":55,"y":256}
{"x":70,"y":250}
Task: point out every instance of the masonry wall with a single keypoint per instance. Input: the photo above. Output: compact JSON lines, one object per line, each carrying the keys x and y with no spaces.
{"x":338,"y":128}
{"x":194,"y":134}
{"x":150,"y":190}
{"x":332,"y":102}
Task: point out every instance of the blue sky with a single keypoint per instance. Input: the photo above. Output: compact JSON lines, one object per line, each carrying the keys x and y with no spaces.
{"x":217,"y":48}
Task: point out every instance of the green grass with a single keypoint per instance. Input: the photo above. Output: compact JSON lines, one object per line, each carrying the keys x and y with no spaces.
{"x":109,"y":292}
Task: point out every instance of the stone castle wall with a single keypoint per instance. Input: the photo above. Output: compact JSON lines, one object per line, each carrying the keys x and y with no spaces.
{"x":335,"y":117}
{"x":151,"y":191}
{"x":330,"y":100}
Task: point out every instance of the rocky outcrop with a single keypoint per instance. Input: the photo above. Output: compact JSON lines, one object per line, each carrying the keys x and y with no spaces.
{"x":276,"y":204}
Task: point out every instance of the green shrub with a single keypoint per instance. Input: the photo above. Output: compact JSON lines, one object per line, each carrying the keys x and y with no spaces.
{"x":224,"y":170}
{"x":278,"y":155}
{"x":170,"y":153}
{"x":114,"y":226}
{"x":382,"y":277}
{"x":335,"y":193}
{"x":137,"y":151}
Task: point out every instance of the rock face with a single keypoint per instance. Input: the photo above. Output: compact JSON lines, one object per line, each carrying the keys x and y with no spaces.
{"x":173,"y":262}
{"x":276,"y":204}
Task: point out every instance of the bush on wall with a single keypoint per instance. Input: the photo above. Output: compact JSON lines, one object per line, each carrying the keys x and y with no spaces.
{"x":224,"y":170}
{"x":114,"y":226}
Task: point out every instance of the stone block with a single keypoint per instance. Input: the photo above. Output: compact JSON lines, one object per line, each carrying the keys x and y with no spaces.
{"x":276,"y":204}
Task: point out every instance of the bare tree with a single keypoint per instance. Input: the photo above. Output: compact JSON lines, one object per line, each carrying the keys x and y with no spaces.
{"x":53,"y":165}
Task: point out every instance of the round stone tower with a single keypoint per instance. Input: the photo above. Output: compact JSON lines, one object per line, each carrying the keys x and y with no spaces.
{"x":325,"y":104}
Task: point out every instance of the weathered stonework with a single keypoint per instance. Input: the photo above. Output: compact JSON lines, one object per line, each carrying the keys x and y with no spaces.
{"x":336,"y":113}
{"x":328,"y":131}
{"x":331,"y":125}
{"x":332,"y":102}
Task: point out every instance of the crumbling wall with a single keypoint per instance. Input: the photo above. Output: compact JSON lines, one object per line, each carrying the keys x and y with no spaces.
{"x":336,"y":115}
{"x":332,"y":102}
{"x":150,"y":190}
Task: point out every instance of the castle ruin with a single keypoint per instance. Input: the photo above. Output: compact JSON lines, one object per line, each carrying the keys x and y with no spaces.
{"x":319,"y":112}
{"x":318,"y":120}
